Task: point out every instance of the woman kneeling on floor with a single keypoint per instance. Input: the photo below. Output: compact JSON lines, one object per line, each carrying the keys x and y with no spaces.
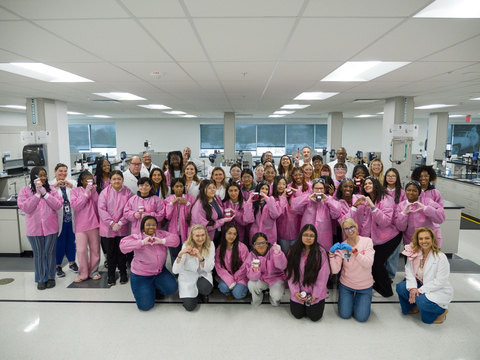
{"x":426,"y":289}
{"x":148,"y":273}
{"x":194,"y":265}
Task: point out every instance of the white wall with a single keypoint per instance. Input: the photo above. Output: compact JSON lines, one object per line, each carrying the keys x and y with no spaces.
{"x":8,"y":118}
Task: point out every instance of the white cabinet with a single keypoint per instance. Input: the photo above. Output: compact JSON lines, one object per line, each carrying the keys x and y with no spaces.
{"x":9,"y":237}
{"x":461,"y":193}
{"x":23,"y":234}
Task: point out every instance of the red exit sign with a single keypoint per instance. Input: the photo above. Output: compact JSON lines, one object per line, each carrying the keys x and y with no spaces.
{"x":467,"y":119}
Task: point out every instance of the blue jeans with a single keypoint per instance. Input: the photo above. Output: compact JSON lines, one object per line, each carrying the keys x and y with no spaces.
{"x":356,"y":302}
{"x":239,"y":291}
{"x":43,"y":248}
{"x":429,"y":311}
{"x":66,"y":244}
{"x":392,"y":262}
{"x":144,"y":287}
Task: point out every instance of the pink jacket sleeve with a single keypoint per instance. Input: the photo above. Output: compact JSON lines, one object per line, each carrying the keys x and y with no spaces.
{"x":159,"y":212}
{"x":128,"y":194}
{"x":53,"y":199}
{"x":199,"y":217}
{"x":319,"y":289}
{"x":401,"y":220}
{"x":273,"y":208}
{"x":434,"y":211}
{"x":224,"y":274}
{"x":130,"y":209}
{"x":365,"y":258}
{"x":299,"y":203}
{"x":334,"y":207}
{"x":169,"y":208}
{"x":102,"y":208}
{"x":383,"y":214}
{"x":248,"y":216}
{"x":130,"y":243}
{"x":78,"y":199}
{"x":241,"y":273}
{"x":252,"y":275}
{"x":336,"y":261}
{"x":171,"y":240}
{"x":280,"y":260}
{"x":27,"y":201}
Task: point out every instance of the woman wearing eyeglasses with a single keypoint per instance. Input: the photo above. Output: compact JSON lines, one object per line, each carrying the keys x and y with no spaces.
{"x":307,"y":272}
{"x":264,"y":267}
{"x":248,"y":185}
{"x":426,"y":176}
{"x":285,"y":168}
{"x":102,"y":174}
{"x":269,"y":174}
{"x":235,"y":173}
{"x":376,"y":170}
{"x":317,"y":161}
{"x":355,"y":261}
{"x":144,"y":203}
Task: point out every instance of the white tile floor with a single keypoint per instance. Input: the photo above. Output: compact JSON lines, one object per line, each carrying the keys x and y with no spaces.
{"x":66,"y":323}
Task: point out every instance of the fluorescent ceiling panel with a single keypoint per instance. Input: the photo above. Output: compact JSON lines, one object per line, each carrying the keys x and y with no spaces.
{"x":155,"y":107}
{"x":365,"y":116}
{"x":457,"y":116}
{"x":366,"y":100}
{"x":74,"y":113}
{"x":432,"y":106}
{"x":175,"y":112}
{"x":475,"y":99}
{"x":18,"y":107}
{"x":283,"y":112}
{"x":188,"y":116}
{"x":294,"y":106}
{"x":315,"y":95}
{"x":457,"y":9}
{"x":42,"y":72}
{"x":363,"y":70}
{"x":122,"y":96}
{"x":381,"y":113}
{"x":276,"y":116}
{"x":101,"y":116}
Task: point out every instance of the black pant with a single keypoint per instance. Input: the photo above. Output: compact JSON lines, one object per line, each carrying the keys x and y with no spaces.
{"x":114,"y":256}
{"x":313,"y":312}
{"x":379,"y":271}
{"x":204,"y":288}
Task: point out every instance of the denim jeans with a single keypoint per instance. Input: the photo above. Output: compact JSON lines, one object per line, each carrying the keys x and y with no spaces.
{"x":144,"y":287}
{"x":392,"y":262}
{"x":429,"y":311}
{"x":43,"y":248}
{"x":356,"y":302}
{"x":66,"y":244}
{"x":239,"y":291}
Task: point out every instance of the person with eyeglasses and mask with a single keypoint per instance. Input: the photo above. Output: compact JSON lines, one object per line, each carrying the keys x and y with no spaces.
{"x":133,"y":174}
{"x":147,"y":165}
{"x":342,"y":158}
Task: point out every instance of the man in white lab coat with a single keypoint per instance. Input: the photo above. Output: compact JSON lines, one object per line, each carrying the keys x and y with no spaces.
{"x":133,"y":174}
{"x":187,"y":156}
{"x":342,"y":158}
{"x":147,"y":165}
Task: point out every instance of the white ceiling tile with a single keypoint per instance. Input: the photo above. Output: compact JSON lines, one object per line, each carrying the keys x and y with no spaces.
{"x":418,"y":38}
{"x":179,"y":86}
{"x":289,"y":87}
{"x":365,"y":8}
{"x":418,"y":87}
{"x":244,"y":39}
{"x":170,"y":71}
{"x":244,"y":71}
{"x":61,"y":9}
{"x":6,"y":15}
{"x":154,"y":8}
{"x":244,"y":96}
{"x":466,"y":51}
{"x":376,"y":86}
{"x":303,"y":70}
{"x":31,"y":42}
{"x":200,"y":71}
{"x":333,"y":86}
{"x":177,"y":37}
{"x":242,"y":8}
{"x":211,"y":86}
{"x":133,"y":87}
{"x":244,"y":86}
{"x":112,"y":40}
{"x":100,"y":71}
{"x":334,"y":39}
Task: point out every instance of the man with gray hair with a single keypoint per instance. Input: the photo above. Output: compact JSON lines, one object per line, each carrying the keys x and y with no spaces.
{"x":133,"y":174}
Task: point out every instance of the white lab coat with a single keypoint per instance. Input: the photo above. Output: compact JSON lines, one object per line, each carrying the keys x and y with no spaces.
{"x":435,"y":280}
{"x":131,"y":181}
{"x":188,"y":273}
{"x":350,"y":168}
{"x":144,"y":169}
{"x":194,"y":189}
{"x":60,"y":211}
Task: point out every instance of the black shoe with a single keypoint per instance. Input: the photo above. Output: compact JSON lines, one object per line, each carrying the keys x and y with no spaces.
{"x":159,"y":296}
{"x":41,"y":285}
{"x":112,"y":281}
{"x":105,"y":264}
{"x":50,"y":283}
{"x":60,"y":272}
{"x":204,"y":298}
{"x":123,"y":279}
{"x":73,"y":267}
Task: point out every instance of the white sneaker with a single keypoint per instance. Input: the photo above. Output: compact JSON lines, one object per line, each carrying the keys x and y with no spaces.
{"x":375,"y":293}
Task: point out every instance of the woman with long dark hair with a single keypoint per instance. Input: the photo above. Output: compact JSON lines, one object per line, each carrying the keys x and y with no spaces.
{"x":360,"y":173}
{"x":192,"y":182}
{"x":229,"y":258}
{"x":299,"y":184}
{"x":207,"y":211}
{"x":175,"y":166}
{"x":234,"y":200}
{"x":102,"y":174}
{"x":235,"y":173}
{"x":159,"y":183}
{"x":40,"y":203}
{"x":269,"y":174}
{"x":307,"y":274}
{"x":285,"y":168}
{"x":378,"y":224}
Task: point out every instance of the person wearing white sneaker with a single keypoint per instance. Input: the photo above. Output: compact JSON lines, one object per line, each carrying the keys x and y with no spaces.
{"x":426,"y":289}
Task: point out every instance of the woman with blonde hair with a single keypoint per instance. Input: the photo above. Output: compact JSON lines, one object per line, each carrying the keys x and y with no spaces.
{"x":376,"y":170}
{"x":194,"y":265}
{"x":426,"y":288}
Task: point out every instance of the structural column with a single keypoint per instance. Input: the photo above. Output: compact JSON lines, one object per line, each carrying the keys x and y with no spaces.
{"x":334,"y":130}
{"x":397,"y":110}
{"x":229,"y":135}
{"x":51,"y":115}
{"x":437,"y":136}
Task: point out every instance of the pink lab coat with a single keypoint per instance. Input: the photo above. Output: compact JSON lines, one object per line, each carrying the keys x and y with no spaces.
{"x":246,"y":193}
{"x":432,"y":216}
{"x":41,"y":217}
{"x":300,"y":191}
{"x":271,"y":267}
{"x":148,"y":259}
{"x":357,"y":271}
{"x":265,"y":221}
{"x":178,"y":219}
{"x":319,"y":289}
{"x":288,"y":224}
{"x":319,"y":215}
{"x":153,"y":206}
{"x":105,"y":183}
{"x":433,"y":194}
{"x":111,"y":204}
{"x":199,"y":217}
{"x":239,"y":219}
{"x":379,"y":225}
{"x":225,"y":273}
{"x":402,"y":195}
{"x":86,"y":209}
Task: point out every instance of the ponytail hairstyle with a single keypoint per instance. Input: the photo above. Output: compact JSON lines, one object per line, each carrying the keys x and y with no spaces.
{"x":202,"y":197}
{"x":398,"y":184}
{"x":236,"y":262}
{"x":82,"y":176}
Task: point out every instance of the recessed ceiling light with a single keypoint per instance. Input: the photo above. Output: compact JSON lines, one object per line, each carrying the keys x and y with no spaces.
{"x":155,"y":107}
{"x":18,"y":107}
{"x":122,"y":96}
{"x":188,"y":116}
{"x":294,"y":106}
{"x":315,"y":95}
{"x":432,"y":106}
{"x":381,"y":113}
{"x":283,"y":112}
{"x":458,"y":9}
{"x":365,"y":100}
{"x":363,"y":70}
{"x":276,"y":116}
{"x":475,"y":99}
{"x":101,"y":116}
{"x":42,"y":72}
{"x":365,"y":116}
{"x":74,"y":113}
{"x":457,"y":116}
{"x":175,"y":112}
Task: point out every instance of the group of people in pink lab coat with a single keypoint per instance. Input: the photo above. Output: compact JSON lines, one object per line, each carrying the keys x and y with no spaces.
{"x":251,"y":236}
